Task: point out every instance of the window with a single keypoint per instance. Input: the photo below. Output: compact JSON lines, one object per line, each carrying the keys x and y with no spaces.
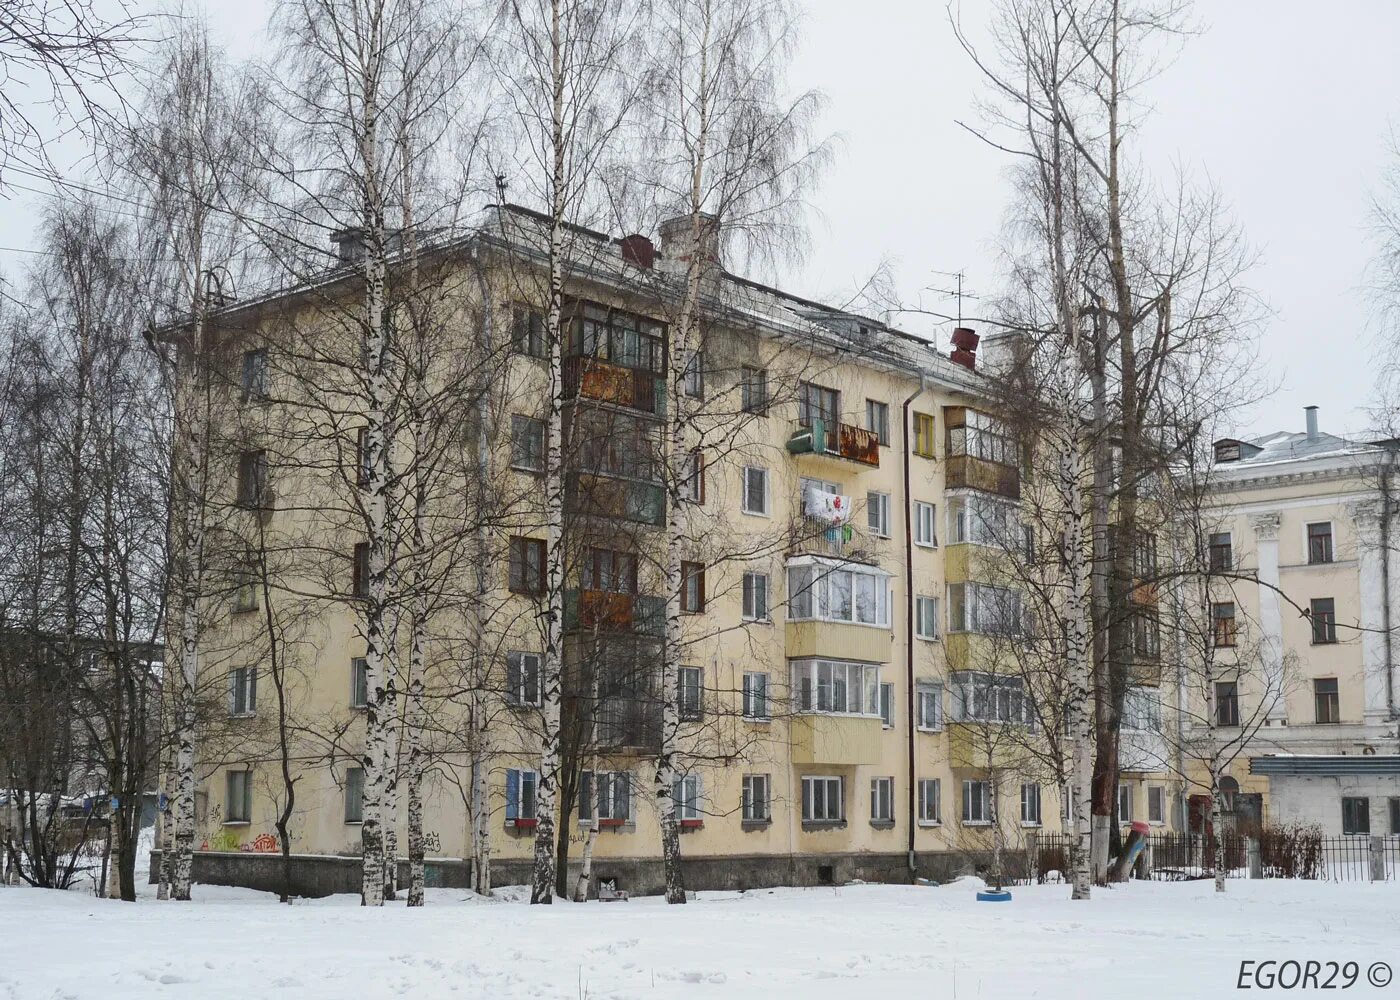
{"x":1326,"y":701}
{"x":689,"y":693}
{"x":923,"y":435}
{"x":1145,"y":557}
{"x":755,"y":499}
{"x":979,"y":607}
{"x":1142,"y":712}
{"x":245,"y":582}
{"x":1324,"y":620}
{"x":756,"y":696}
{"x":527,"y":565}
{"x":976,"y":803}
{"x":754,"y":390}
{"x":836,"y":687}
{"x":1222,"y":554}
{"x":614,"y":795}
{"x":685,"y":794}
{"x":362,"y":466}
{"x":877,"y":419}
{"x":930,"y":801}
{"x":254,"y":375}
{"x":929,"y":704}
{"x":985,"y":437}
{"x":816,"y":402}
{"x":1227,"y":704}
{"x":757,"y":807}
{"x":756,"y":597}
{"x":1222,"y":617}
{"x":877,"y":513}
{"x":692,"y":588}
{"x":354,"y":794}
{"x":243,"y":691}
{"x":984,"y":520}
{"x":694,"y":375}
{"x":984,"y":697}
{"x":887,"y":704}
{"x":526,"y":443}
{"x":609,"y":571}
{"x":1147,"y":635}
{"x":359,"y":682}
{"x":520,"y":797}
{"x":1356,"y":815}
{"x":359,"y":573}
{"x":1156,"y":804}
{"x":1395,"y":816}
{"x":1320,"y":542}
{"x":527,"y":331}
{"x":238,"y":800}
{"x":820,"y":591}
{"x":882,"y":800}
{"x":522,"y":678}
{"x":823,"y":799}
{"x":924,"y":533}
{"x":692,"y":487}
{"x":926,"y":617}
{"x":252,"y":479}
{"x":1030,"y":804}
{"x":1125,"y":804}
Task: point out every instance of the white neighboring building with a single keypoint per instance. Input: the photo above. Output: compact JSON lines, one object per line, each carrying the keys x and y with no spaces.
{"x":1314,"y":517}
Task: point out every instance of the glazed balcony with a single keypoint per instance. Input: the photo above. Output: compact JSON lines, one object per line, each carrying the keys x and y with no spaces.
{"x":609,"y":496}
{"x":837,"y":441}
{"x":607,"y":611}
{"x":604,"y":382}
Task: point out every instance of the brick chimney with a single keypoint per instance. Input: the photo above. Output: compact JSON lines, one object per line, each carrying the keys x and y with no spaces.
{"x":638,"y":250}
{"x":965,"y":348}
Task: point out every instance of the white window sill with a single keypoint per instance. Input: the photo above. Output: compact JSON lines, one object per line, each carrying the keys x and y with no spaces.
{"x":930,"y":824}
{"x":926,"y":545}
{"x":757,"y":621}
{"x":354,"y":822}
{"x":755,"y":513}
{"x":1030,"y":826}
{"x":238,"y":822}
{"x":929,"y":638}
{"x":977,"y":822}
{"x":1156,"y":822}
{"x":929,"y":729}
{"x":243,"y":715}
{"x":836,"y":715}
{"x":758,"y":720}
{"x":840,"y":621}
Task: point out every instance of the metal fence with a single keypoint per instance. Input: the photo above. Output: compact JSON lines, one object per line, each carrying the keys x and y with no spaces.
{"x":1177,"y":857}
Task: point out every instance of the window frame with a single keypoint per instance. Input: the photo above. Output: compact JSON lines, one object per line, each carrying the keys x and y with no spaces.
{"x":359,"y":570}
{"x":252,"y":479}
{"x":1222,"y":697}
{"x":692,"y":594}
{"x":1333,"y":703}
{"x":925,"y":518}
{"x":886,"y":704}
{"x":1364,"y":807}
{"x":808,"y":691}
{"x":243,"y":685}
{"x":687,"y":806}
{"x":1326,"y":550}
{"x":1221,"y":555}
{"x":519,"y":806}
{"x":239,"y":813}
{"x":356,"y":815}
{"x":746,"y":482}
{"x":926,"y":609}
{"x":753,"y":391}
{"x":924,"y":429}
{"x":877,"y":513}
{"x":253,"y":381}
{"x":534,"y":429}
{"x":924,"y":690}
{"x":882,"y":800}
{"x":809,"y":799}
{"x":520,"y":549}
{"x":359,"y":680}
{"x":877,"y":419}
{"x":524,"y":317}
{"x":753,"y":809}
{"x":690,"y":693}
{"x":1031,"y":815}
{"x":756,"y":704}
{"x":978,"y":792}
{"x":1322,"y":611}
{"x":1124,"y":795}
{"x":1157,"y":796}
{"x":693,"y":374}
{"x":518,"y":679}
{"x":815,"y":594}
{"x":755,"y":585}
{"x":1223,"y":636}
{"x":935,"y":800}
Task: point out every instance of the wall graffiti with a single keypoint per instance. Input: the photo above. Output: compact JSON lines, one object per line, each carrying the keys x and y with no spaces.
{"x":431,"y":842}
{"x":263,"y":843}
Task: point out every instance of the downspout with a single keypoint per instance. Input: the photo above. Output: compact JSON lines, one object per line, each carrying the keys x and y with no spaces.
{"x":1386,"y":639}
{"x":909,"y":620}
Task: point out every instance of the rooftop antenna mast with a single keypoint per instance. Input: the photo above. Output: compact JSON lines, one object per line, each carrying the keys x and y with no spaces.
{"x":501,"y":185}
{"x":956,"y":290}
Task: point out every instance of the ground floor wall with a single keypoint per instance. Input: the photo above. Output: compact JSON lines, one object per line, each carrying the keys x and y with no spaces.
{"x":1317,"y":801}
{"x":324,"y":875}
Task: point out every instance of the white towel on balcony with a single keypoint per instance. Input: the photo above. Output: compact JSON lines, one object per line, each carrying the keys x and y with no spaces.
{"x":832,"y":508}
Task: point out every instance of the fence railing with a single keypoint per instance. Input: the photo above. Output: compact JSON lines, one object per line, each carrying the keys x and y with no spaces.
{"x":1172,"y":857}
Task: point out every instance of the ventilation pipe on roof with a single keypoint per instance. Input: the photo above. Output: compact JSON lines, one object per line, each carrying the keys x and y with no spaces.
{"x":1311,"y":413}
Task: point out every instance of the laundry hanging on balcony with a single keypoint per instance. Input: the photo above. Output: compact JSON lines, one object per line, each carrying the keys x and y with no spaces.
{"x":833,"y":508}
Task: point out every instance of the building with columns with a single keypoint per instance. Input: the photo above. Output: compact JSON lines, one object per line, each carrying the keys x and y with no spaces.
{"x":1306,"y":533}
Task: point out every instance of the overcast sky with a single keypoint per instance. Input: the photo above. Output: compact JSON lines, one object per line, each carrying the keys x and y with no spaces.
{"x":1286,"y":111}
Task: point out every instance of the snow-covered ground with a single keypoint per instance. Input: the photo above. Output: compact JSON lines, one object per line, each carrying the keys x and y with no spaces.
{"x":1138,"y":941}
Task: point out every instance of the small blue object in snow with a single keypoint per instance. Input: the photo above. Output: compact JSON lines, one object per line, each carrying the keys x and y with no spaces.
{"x":925,"y":881}
{"x":994,"y":896}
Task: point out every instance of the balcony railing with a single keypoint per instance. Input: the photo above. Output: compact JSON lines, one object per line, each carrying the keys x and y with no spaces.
{"x":605,"y":611}
{"x":814,"y":536}
{"x":970,"y":472}
{"x":605,"y":382}
{"x":628,"y":723}
{"x":828,"y":437}
{"x":609,"y":496}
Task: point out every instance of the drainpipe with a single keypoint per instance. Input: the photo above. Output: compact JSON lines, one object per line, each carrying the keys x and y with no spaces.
{"x":909,"y":620}
{"x":1386,"y":639}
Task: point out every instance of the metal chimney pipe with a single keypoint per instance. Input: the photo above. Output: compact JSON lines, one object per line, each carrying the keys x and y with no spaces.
{"x":1311,"y":412}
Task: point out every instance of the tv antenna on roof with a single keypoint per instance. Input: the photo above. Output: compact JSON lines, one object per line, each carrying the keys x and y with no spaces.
{"x":957,"y":290}
{"x":501,"y":185}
